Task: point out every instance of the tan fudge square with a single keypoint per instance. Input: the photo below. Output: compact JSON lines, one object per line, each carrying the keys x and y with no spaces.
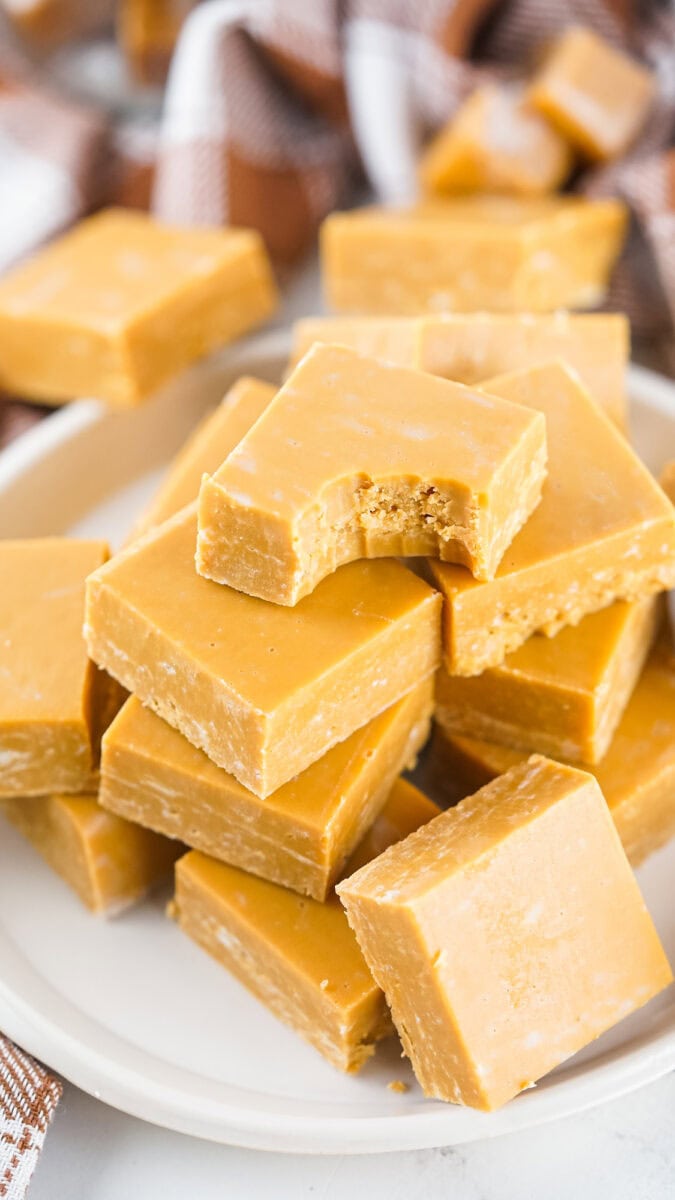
{"x":121,"y":303}
{"x":377,"y":460}
{"x":300,"y":835}
{"x":637,"y":774}
{"x":561,"y":696}
{"x":470,"y":347}
{"x":264,"y":690}
{"x":507,"y":934}
{"x":494,"y":253}
{"x":496,"y":142}
{"x":595,"y":95}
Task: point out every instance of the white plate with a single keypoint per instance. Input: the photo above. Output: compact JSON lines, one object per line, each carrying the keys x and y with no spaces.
{"x":134,"y":1013}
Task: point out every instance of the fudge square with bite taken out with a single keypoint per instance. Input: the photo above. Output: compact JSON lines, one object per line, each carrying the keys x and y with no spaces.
{"x":377,"y":460}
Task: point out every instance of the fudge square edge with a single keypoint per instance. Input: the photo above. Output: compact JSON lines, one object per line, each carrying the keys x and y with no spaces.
{"x":110,"y":864}
{"x":264,"y":690}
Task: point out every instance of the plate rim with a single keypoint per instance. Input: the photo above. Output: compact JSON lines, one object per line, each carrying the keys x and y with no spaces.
{"x":154,"y":1099}
{"x":158,"y":1100}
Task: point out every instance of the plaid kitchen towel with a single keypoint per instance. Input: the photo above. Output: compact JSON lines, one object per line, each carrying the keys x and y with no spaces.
{"x":271,"y":104}
{"x":28,"y":1097}
{"x":17,"y":417}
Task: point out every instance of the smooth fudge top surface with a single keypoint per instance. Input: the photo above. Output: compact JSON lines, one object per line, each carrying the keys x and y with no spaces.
{"x":43,"y":657}
{"x":266,"y":652}
{"x":507,"y":933}
{"x":467,"y":833}
{"x":596,"y":485}
{"x":342,"y":413}
{"x":117,"y":266}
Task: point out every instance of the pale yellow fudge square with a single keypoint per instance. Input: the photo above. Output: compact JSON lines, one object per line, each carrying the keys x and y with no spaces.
{"x":377,"y":460}
{"x":264,"y":690}
{"x":507,"y":933}
{"x":595,"y":95}
{"x":121,"y":303}
{"x":465,"y":254}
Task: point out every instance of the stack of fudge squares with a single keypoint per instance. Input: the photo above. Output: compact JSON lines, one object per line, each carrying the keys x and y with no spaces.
{"x":369,"y":542}
{"x":325,"y":566}
{"x":434,"y":516}
{"x":113,"y":309}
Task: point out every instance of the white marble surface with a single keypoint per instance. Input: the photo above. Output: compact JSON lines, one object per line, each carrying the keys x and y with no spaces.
{"x":622,"y":1151}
